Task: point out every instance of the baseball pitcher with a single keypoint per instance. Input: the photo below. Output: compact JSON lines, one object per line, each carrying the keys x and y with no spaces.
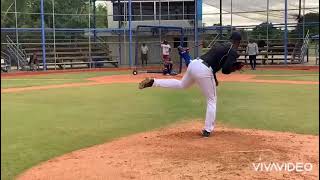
{"x":202,"y":71}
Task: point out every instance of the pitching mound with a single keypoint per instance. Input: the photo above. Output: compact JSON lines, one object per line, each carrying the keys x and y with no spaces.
{"x":179,"y":152}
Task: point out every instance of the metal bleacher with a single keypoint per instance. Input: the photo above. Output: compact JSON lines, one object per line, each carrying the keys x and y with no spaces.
{"x":272,"y":54}
{"x":66,"y":51}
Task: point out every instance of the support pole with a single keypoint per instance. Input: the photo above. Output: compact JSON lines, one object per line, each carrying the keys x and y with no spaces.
{"x":300,"y":35}
{"x":285,"y":31}
{"x":94,"y":21}
{"x":16,"y":18}
{"x":220,"y":19}
{"x":196,"y":41}
{"x":125,"y":20}
{"x":231,"y":16}
{"x":89,"y":33}
{"x":119,"y":26}
{"x":159,"y":13}
{"x":299,"y":15}
{"x":43,"y":38}
{"x":54,"y":37}
{"x":304,"y":30}
{"x":17,"y":38}
{"x":160,"y":30}
{"x":268,"y":4}
{"x":130,"y":33}
{"x":303,"y":20}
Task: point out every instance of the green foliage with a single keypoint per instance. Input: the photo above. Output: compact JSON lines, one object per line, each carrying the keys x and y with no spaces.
{"x":101,"y":18}
{"x":310,"y":18}
{"x":68,"y":14}
{"x":7,"y":18}
{"x":260,"y":31}
{"x":79,"y":9}
{"x":311,"y":24}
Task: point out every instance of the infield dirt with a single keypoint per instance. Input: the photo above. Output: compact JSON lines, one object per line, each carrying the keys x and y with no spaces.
{"x":179,"y":152}
{"x":134,"y":79}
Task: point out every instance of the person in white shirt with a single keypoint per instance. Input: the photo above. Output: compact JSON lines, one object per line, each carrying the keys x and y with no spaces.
{"x":252,"y":51}
{"x":166,"y":49}
{"x":144,"y":54}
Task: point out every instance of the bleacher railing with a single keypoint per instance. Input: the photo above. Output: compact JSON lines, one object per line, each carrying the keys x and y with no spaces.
{"x":304,"y":48}
{"x":18,"y":54}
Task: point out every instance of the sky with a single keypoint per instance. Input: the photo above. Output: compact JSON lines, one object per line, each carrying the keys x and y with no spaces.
{"x":210,"y":14}
{"x":209,"y":8}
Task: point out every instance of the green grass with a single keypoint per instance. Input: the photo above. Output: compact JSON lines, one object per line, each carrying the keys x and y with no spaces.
{"x":51,"y":79}
{"x":291,"y":78}
{"x":281,"y":107}
{"x":39,"y":125}
{"x":277,"y":72}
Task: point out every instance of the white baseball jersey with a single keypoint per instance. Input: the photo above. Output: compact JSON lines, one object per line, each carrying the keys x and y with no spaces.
{"x":144,"y":49}
{"x":165,"y":49}
{"x":252,"y":49}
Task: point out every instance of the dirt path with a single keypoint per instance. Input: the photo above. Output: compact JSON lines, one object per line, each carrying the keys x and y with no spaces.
{"x":179,"y":152}
{"x":138,"y":78}
{"x":58,"y":71}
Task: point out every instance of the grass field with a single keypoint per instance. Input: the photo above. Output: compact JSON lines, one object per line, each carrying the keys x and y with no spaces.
{"x":40,"y":80}
{"x":39,"y":125}
{"x":51,"y":79}
{"x":291,"y":78}
{"x":278,"y":72}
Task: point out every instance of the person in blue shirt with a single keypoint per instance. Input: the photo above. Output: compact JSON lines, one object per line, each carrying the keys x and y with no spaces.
{"x":184,"y":53}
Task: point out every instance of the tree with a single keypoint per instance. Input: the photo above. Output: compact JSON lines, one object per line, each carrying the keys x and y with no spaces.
{"x":68,"y":14}
{"x":260,"y":31}
{"x":7,"y":15}
{"x":101,"y":16}
{"x":311,"y":21}
{"x":8,"y":18}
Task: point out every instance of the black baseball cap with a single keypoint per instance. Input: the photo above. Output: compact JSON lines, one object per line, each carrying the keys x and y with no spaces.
{"x":236,"y":36}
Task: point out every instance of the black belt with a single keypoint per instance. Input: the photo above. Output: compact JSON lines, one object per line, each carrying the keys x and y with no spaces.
{"x":205,"y":63}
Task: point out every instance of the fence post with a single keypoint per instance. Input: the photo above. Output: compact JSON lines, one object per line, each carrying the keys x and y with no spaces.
{"x":285,"y":31}
{"x":43,"y":38}
{"x":130,"y":33}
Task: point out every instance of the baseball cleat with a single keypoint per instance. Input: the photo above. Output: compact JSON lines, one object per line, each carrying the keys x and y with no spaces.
{"x":148,"y":82}
{"x":205,"y":133}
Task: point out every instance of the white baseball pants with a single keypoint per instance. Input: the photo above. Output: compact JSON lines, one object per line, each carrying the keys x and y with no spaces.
{"x":203,"y":76}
